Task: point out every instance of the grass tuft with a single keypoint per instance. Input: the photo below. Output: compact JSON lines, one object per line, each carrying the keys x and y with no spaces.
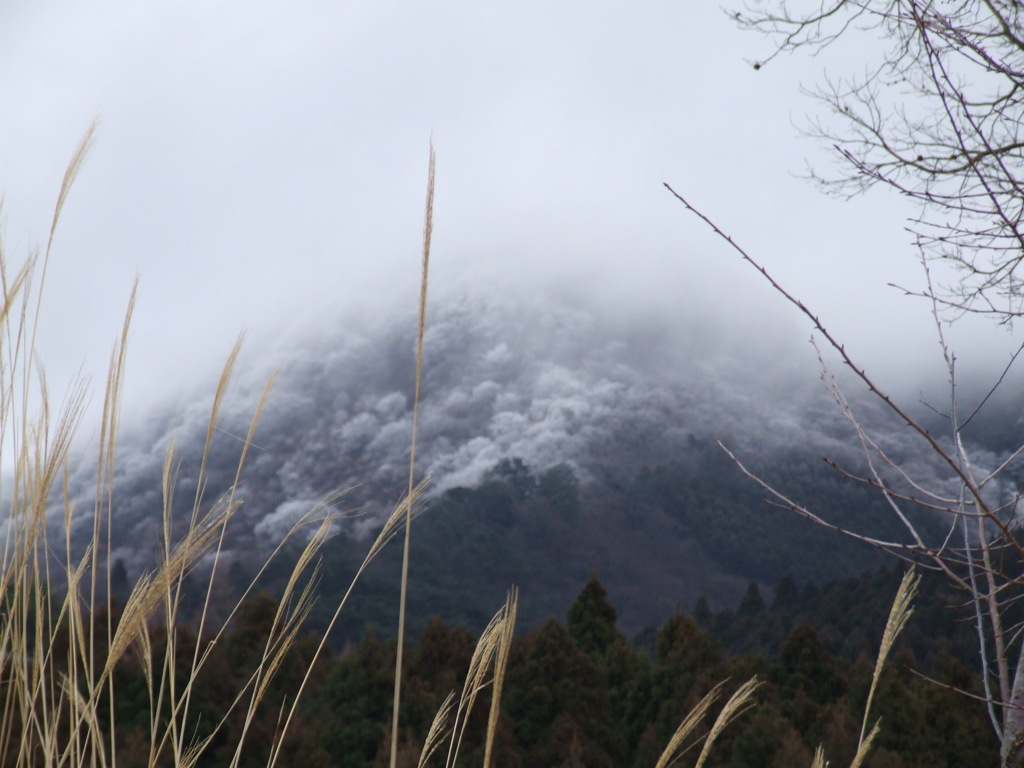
{"x":60,"y":653}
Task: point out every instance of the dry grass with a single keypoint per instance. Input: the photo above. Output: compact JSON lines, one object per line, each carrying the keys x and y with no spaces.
{"x":898,"y":616}
{"x":428,"y":229}
{"x":59,"y":655}
{"x":486,"y":669}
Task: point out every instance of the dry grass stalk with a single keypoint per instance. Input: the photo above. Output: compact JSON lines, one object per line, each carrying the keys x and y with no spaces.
{"x":428,"y":228}
{"x":675,"y":749}
{"x":500,"y":666}
{"x":898,"y":616}
{"x":738,"y":703}
{"x":494,"y":645}
{"x":438,"y":730}
{"x":865,"y":746}
{"x":391,"y":527}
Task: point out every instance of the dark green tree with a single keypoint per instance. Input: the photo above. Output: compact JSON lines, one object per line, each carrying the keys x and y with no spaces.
{"x":354,"y":703}
{"x":689,"y":664}
{"x":556,"y":695}
{"x":592,"y":620}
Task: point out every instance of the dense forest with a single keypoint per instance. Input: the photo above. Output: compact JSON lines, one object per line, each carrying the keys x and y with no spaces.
{"x":579,"y":693}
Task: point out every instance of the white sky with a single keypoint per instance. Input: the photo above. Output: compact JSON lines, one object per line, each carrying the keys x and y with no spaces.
{"x":259,"y":162}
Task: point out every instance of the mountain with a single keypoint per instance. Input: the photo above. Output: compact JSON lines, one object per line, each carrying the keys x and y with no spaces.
{"x":560,"y":440}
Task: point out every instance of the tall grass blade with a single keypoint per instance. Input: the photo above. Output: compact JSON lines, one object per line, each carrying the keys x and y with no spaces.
{"x":864,"y":747}
{"x":391,"y":527}
{"x":428,"y":227}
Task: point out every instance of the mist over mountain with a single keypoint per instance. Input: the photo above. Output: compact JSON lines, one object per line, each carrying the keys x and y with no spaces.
{"x":628,"y":403}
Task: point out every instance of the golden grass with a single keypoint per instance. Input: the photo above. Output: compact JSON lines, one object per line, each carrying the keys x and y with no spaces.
{"x":677,"y":746}
{"x":494,"y":645}
{"x":58,"y":655}
{"x":428,"y":228}
{"x":738,"y":703}
{"x":898,"y":616}
{"x":684,"y":738}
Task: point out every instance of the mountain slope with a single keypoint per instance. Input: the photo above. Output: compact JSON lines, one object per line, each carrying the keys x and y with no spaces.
{"x":624,"y":411}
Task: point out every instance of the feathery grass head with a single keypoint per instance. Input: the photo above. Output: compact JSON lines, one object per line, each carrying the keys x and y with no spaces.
{"x":493,"y":647}
{"x":675,"y":747}
{"x":898,"y":616}
{"x":683,"y":740}
{"x":438,"y":730}
{"x":738,"y":703}
{"x":428,"y":229}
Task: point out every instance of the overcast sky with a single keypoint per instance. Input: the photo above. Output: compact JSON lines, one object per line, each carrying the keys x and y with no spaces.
{"x":261,"y":162}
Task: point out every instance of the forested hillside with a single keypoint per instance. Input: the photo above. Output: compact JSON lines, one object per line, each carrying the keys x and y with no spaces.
{"x":579,"y":692}
{"x":558,"y":442}
{"x":677,"y":532}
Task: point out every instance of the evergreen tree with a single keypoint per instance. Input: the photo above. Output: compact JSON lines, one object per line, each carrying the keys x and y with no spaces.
{"x":592,"y":620}
{"x":556,"y":694}
{"x":626,"y":673}
{"x":354,"y":703}
{"x":689,"y":664}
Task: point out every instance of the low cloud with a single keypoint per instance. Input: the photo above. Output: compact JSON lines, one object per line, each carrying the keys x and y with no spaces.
{"x":511,"y":377}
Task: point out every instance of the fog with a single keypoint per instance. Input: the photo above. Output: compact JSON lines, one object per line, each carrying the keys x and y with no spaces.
{"x":538,"y":377}
{"x":259,"y":165}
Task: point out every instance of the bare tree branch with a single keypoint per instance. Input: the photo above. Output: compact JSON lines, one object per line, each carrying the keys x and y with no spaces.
{"x":937,"y":117}
{"x":986,"y":527}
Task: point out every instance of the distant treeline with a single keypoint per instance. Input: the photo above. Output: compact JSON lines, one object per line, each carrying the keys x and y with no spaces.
{"x":577,"y":693}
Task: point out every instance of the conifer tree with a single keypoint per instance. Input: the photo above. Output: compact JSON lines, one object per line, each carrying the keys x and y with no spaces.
{"x":592,"y":619}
